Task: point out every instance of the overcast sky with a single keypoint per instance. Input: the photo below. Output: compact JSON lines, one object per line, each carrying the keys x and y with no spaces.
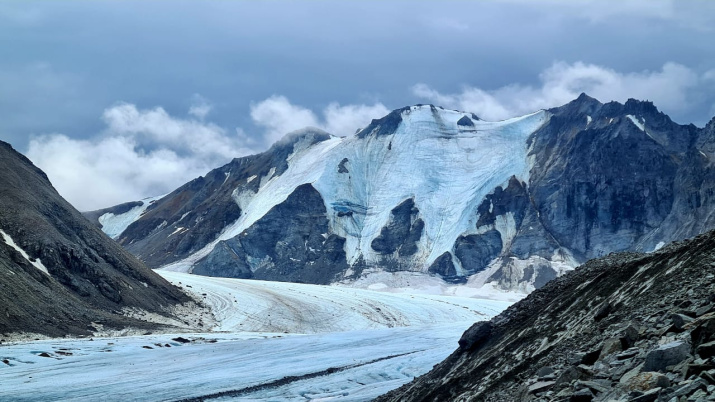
{"x":120,"y":100}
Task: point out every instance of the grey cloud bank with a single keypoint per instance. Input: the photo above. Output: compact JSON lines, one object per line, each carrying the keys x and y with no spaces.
{"x":125,"y":90}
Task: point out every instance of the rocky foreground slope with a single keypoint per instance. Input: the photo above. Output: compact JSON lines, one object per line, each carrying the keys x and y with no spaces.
{"x":59,"y":274}
{"x":440,"y":192}
{"x":626,"y":327}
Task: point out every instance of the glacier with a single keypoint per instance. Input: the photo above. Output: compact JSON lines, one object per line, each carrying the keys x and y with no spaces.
{"x":270,"y":341}
{"x":446,"y":185}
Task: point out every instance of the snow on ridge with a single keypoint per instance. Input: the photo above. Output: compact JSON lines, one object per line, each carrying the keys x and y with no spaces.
{"x":37,"y":263}
{"x":114,"y":225}
{"x":305,"y":165}
{"x":636,"y":121}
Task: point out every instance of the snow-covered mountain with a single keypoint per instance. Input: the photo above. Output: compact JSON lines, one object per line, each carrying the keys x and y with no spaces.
{"x":59,"y":274}
{"x":515,"y":203}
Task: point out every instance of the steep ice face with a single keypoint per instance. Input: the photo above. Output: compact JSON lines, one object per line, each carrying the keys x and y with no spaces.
{"x":446,"y":167}
{"x":446,"y":161}
{"x":113,"y":225}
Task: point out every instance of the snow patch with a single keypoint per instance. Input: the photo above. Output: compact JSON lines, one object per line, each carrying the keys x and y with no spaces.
{"x":113,"y":225}
{"x":637,"y":122}
{"x":36,"y":263}
{"x":658,"y":246}
{"x":588,"y":120}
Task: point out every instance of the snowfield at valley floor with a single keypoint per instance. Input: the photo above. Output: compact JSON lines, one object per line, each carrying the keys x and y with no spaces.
{"x":271,"y":341}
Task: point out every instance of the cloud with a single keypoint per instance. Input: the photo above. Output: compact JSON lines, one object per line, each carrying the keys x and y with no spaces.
{"x":141,"y":153}
{"x":673,"y":88}
{"x":698,"y":15}
{"x":346,"y":120}
{"x":148,"y":152}
{"x":278,"y":116}
{"x":200,"y":107}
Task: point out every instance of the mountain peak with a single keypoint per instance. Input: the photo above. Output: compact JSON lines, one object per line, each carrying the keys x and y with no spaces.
{"x":312,"y":135}
{"x":385,"y":125}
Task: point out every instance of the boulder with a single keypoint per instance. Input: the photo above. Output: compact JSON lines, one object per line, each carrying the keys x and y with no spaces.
{"x":610,"y":346}
{"x":475,"y":336}
{"x":679,"y":321}
{"x":647,"y":381}
{"x":541,"y":386}
{"x":666,"y":355}
{"x":706,"y":350}
{"x":582,"y":395}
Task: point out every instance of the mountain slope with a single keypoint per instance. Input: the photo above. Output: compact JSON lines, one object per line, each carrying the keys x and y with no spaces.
{"x":621,"y":327}
{"x":441,"y":192}
{"x":60,"y":274}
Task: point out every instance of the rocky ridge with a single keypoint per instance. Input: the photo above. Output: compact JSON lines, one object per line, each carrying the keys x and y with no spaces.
{"x":59,"y":274}
{"x":625,"y":327}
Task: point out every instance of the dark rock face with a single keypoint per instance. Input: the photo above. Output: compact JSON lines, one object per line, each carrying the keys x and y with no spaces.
{"x":514,"y":199}
{"x":606,"y":331}
{"x":90,"y":277}
{"x":227,"y":260}
{"x":402,"y":232}
{"x":384,"y":126}
{"x":475,"y":252}
{"x":341,"y":167}
{"x":600,"y":184}
{"x":204,"y":206}
{"x":443,"y":266}
{"x":465,"y":121}
{"x":590,"y":205}
{"x":287,"y":244}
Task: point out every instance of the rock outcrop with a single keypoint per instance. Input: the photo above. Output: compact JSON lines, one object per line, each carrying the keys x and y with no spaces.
{"x":59,"y":274}
{"x":625,"y":327}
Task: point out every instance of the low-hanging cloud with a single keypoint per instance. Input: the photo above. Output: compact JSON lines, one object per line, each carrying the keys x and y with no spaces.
{"x":673,"y":88}
{"x":141,"y":153}
{"x":278,"y":116}
{"x":148,"y":152}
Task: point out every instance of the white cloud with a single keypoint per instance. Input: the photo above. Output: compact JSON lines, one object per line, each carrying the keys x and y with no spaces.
{"x":200,"y":107}
{"x":279,"y":116}
{"x":144,"y":153}
{"x":671,"y":89}
{"x":141,"y":153}
{"x":690,"y":14}
{"x":346,"y":120}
